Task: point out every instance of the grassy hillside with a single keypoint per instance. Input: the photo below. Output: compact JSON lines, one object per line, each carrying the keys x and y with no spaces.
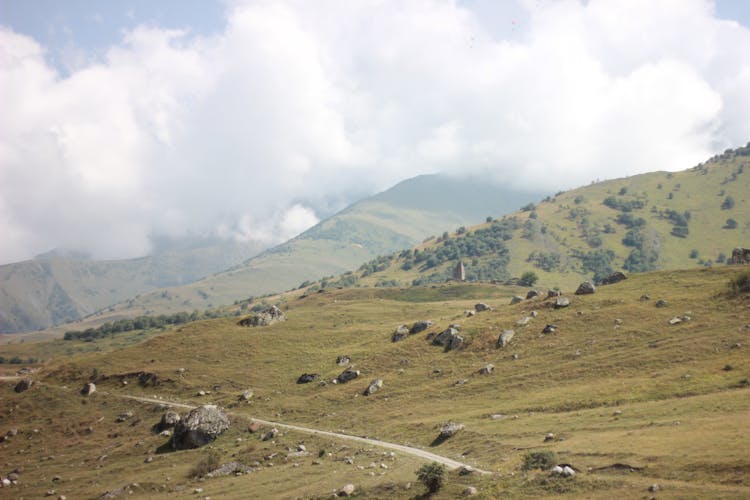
{"x":658,"y":220}
{"x":395,"y":219}
{"x":631,"y":400}
{"x":43,"y":292}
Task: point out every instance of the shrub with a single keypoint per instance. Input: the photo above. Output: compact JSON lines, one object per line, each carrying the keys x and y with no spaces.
{"x":528,"y":278}
{"x":431,"y":475}
{"x":740,"y":284}
{"x":211,"y":461}
{"x":694,"y":253}
{"x":728,"y":203}
{"x":730,"y":224}
{"x":539,"y":460}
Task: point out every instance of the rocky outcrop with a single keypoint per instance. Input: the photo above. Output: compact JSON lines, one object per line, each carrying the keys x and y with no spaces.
{"x":505,"y":338}
{"x":200,"y":427}
{"x":264,"y":318}
{"x":586,"y":288}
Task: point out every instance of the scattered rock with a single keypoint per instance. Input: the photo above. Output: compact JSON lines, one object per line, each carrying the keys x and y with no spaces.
{"x":551,"y":328}
{"x":561,"y":302}
{"x":374,"y":387}
{"x":586,"y":288}
{"x":505,"y":337}
{"x":553,"y":293}
{"x":450,"y":429}
{"x":420,"y":326}
{"x":465,"y":470}
{"x":264,"y":318}
{"x":449,"y":339}
{"x":618,"y":322}
{"x":469,"y":313}
{"x":661,"y":303}
{"x":229,"y":468}
{"x":486,"y":369}
{"x":470,"y":491}
{"x":533,"y":314}
{"x":23,"y":385}
{"x":645,"y":297}
{"x":201,"y":426}
{"x":613,"y":278}
{"x":346,"y":376}
{"x":246,"y":395}
{"x":516,"y":299}
{"x":88,"y":389}
{"x":549,"y":437}
{"x":557,"y":470}
{"x":345,"y":360}
{"x":253,"y":427}
{"x":532,"y":294}
{"x":306,"y":378}
{"x":523,"y":321}
{"x":675,"y":321}
{"x":124,"y":416}
{"x":270,"y":434}
{"x":347,"y":490}
{"x":654,"y":487}
{"x":400,"y":334}
{"x":480,"y":307}
{"x":149,"y":459}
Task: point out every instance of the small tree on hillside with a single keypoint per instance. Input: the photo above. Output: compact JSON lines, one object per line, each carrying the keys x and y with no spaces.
{"x":431,"y":475}
{"x":528,"y":278}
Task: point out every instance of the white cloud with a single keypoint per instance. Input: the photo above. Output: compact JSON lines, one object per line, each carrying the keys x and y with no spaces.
{"x":257,"y":131}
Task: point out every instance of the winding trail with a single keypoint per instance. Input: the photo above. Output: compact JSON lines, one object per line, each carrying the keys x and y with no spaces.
{"x":448,"y":462}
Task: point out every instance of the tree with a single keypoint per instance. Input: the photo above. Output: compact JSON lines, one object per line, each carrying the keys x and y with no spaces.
{"x":528,"y":278}
{"x":431,"y":475}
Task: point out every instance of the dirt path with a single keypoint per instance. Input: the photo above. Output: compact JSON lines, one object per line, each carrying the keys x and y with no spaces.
{"x":450,"y":463}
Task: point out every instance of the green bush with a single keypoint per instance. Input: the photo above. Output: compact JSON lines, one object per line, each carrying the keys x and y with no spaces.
{"x":432,"y":475}
{"x":528,"y":278}
{"x":539,"y":460}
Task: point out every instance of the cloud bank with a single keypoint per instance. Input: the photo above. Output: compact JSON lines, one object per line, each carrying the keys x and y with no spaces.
{"x":297,"y":108}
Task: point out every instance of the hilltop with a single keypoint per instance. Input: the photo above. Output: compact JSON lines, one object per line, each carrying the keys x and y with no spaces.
{"x":617,"y":392}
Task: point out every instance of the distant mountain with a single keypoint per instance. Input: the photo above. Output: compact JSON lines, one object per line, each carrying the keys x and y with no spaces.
{"x":55,"y":288}
{"x":393,"y":220}
{"x":659,"y":220}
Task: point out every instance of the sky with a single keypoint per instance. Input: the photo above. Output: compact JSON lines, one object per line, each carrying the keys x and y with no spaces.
{"x":126,"y":122}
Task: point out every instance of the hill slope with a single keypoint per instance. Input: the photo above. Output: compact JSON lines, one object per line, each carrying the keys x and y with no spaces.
{"x":630,"y":400}
{"x":395,"y":219}
{"x":658,"y":220}
{"x":48,"y":291}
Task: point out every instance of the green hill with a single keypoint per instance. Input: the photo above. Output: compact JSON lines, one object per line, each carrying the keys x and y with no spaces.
{"x":52,"y":290}
{"x":619,"y":394}
{"x":652,"y":221}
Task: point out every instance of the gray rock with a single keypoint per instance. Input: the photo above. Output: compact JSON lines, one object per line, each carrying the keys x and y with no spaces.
{"x":346,"y":376}
{"x":661,"y":303}
{"x":374,"y":387}
{"x":524,"y":321}
{"x":486,"y":369}
{"x":201,"y":426}
{"x":586,"y":288}
{"x":306,"y":378}
{"x":444,"y":337}
{"x":568,"y":472}
{"x":480,"y":307}
{"x":450,"y":429}
{"x":469,"y":313}
{"x":420,"y":326}
{"x":556,"y":470}
{"x":246,"y":395}
{"x":645,"y":297}
{"x":470,"y":491}
{"x":264,"y":318}
{"x":561,"y":302}
{"x":516,"y":299}
{"x":551,"y":328}
{"x":532,"y":294}
{"x":270,"y":434}
{"x":553,"y":293}
{"x":168,"y":420}
{"x":505,"y":337}
{"x":549,"y":437}
{"x":654,"y":488}
{"x":124,"y":416}
{"x":88,"y":389}
{"x":346,"y":490}
{"x":230,"y":468}
{"x":23,"y":385}
{"x":613,"y":278}
{"x":345,"y":360}
{"x":400,"y":334}
{"x":675,"y":321}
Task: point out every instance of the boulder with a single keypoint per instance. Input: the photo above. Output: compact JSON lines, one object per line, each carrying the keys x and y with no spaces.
{"x":505,"y":337}
{"x":568,"y":471}
{"x":516,"y":299}
{"x":561,"y":302}
{"x":246,"y":395}
{"x":200,"y":427}
{"x":551,"y":328}
{"x":613,"y":278}
{"x":420,"y":326}
{"x":343,"y":360}
{"x":168,"y":420}
{"x":270,"y":434}
{"x":346,"y":376}
{"x":449,"y":339}
{"x":532,"y":294}
{"x":482,"y":307}
{"x":586,"y":288}
{"x":88,"y":388}
{"x":450,"y":429}
{"x":347,"y":490}
{"x":486,"y":369}
{"x":553,"y":293}
{"x":661,"y":303}
{"x":306,"y":378}
{"x":469,"y":313}
{"x":23,"y":385}
{"x":523,"y":321}
{"x":549,"y":437}
{"x":374,"y":387}
{"x":400,"y":334}
{"x":264,"y":318}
